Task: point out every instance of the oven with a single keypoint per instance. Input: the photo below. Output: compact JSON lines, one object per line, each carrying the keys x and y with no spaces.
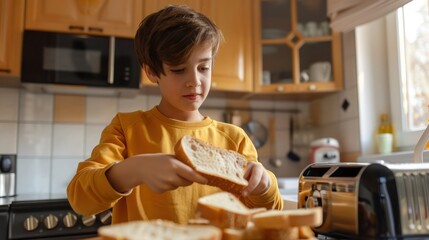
{"x":46,"y":217}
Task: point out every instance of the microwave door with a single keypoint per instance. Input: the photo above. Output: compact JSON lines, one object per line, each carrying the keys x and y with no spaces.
{"x":78,"y":60}
{"x":65,"y":58}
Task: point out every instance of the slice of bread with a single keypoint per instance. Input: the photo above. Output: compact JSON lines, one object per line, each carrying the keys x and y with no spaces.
{"x":158,"y":230}
{"x":222,"y":168}
{"x":273,"y":219}
{"x":249,"y":233}
{"x":223,"y":210}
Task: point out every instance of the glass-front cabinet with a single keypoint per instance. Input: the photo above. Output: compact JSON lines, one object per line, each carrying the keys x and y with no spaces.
{"x":296,"y":52}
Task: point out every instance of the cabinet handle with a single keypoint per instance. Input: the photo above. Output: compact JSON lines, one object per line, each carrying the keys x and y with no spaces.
{"x":111,"y":73}
{"x":72,"y":27}
{"x":5,"y":70}
{"x":95,"y":29}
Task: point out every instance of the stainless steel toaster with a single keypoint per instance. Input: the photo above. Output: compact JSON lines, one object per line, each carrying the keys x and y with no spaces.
{"x":368,"y":200}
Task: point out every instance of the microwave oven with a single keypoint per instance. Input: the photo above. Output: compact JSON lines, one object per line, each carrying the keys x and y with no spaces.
{"x":64,"y":59}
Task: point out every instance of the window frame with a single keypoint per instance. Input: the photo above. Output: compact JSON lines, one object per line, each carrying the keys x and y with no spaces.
{"x":404,"y":138}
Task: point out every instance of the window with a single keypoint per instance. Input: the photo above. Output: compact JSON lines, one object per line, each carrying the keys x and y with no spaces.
{"x":408,"y":34}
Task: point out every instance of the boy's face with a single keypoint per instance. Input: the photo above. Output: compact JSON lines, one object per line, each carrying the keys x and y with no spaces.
{"x":185,"y":87}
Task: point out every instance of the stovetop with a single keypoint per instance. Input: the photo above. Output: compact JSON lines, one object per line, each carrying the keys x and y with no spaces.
{"x":5,"y":201}
{"x":47,"y":216}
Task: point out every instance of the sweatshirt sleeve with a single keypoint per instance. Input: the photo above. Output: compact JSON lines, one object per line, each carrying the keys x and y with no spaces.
{"x":89,"y":192}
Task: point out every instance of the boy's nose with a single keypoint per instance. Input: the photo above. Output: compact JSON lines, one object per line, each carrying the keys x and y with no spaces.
{"x":194,"y":80}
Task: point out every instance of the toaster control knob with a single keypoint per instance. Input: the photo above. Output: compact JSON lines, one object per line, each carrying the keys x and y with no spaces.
{"x":106,"y":217}
{"x":31,"y":223}
{"x":88,"y":220}
{"x":51,"y":221}
{"x":69,"y":220}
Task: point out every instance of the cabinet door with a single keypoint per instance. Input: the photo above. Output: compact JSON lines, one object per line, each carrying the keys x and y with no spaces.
{"x":295,"y":50}
{"x":114,"y":17}
{"x":99,"y":17}
{"x":54,"y":15}
{"x":11,"y":25}
{"x":233,"y":64}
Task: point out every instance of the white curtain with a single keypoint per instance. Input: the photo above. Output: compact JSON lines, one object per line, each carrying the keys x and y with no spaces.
{"x":345,"y":15}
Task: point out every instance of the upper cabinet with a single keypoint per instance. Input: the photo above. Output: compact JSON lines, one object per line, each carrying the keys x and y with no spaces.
{"x":11,"y":25}
{"x":296,"y":51}
{"x":98,"y":17}
{"x":233,"y":68}
{"x":233,"y":64}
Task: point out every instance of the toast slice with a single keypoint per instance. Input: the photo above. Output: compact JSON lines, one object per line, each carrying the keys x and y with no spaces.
{"x":274,"y":219}
{"x":223,"y":210}
{"x":158,"y":230}
{"x":222,"y":168}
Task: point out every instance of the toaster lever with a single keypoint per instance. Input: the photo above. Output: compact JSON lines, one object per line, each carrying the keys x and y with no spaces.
{"x":387,"y":207}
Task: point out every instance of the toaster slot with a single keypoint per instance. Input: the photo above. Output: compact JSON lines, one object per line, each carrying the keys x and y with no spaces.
{"x":315,"y":172}
{"x":346,"y":172}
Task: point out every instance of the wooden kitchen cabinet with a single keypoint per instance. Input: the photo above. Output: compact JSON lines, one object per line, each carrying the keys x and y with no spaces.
{"x":11,"y":25}
{"x":98,"y":17}
{"x":233,"y":65}
{"x":295,"y":50}
{"x":233,"y":69}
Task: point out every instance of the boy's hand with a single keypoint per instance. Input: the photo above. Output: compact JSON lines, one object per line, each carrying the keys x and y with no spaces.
{"x":258,"y":179}
{"x":163,"y":172}
{"x":160,"y":172}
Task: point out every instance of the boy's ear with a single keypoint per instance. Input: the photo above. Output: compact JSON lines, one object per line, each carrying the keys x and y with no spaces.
{"x":152,"y":77}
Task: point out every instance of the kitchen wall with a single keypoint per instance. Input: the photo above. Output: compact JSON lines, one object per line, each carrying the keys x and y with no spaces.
{"x":337,"y":115}
{"x":52,"y":133}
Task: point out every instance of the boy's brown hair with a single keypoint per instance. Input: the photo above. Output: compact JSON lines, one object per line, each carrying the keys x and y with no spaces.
{"x":169,"y":36}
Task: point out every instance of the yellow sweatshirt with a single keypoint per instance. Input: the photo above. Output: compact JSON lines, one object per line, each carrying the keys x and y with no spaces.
{"x":129,"y":134}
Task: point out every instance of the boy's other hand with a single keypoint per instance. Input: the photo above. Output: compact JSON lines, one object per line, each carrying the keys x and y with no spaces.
{"x":163,"y":172}
{"x":160,"y":172}
{"x":258,"y":179}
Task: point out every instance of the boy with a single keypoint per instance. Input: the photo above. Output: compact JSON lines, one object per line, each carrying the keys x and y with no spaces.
{"x":133,"y":169}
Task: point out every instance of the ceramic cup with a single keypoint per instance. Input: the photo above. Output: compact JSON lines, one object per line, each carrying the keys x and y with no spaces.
{"x":266,"y":77}
{"x":320,"y":72}
{"x":324,"y":28}
{"x":311,"y":29}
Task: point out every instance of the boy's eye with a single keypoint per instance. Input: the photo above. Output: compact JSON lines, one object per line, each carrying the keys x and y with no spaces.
{"x":179,"y":70}
{"x":205,"y":68}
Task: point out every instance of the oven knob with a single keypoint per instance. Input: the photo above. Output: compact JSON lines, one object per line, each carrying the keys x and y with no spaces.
{"x":31,"y":223}
{"x":106,"y":217}
{"x":88,"y":220}
{"x":69,"y":220}
{"x":51,"y":221}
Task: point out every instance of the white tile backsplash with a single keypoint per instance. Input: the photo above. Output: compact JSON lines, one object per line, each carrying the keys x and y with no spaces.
{"x":8,"y":137}
{"x":9,"y":100}
{"x":352,"y":111}
{"x":349,"y":137}
{"x":68,"y":140}
{"x":329,"y":108}
{"x":36,"y":107}
{"x":63,"y":170}
{"x":34,"y":139}
{"x":153,"y":100}
{"x":136,"y":103}
{"x":48,"y":152}
{"x":33,"y":174}
{"x":92,"y":137}
{"x":100,"y":109}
